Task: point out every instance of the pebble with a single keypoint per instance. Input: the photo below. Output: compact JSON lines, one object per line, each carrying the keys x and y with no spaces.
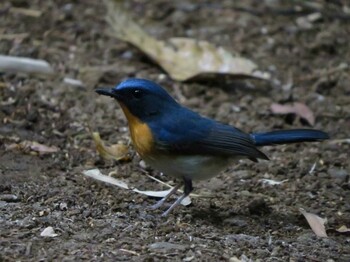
{"x":9,"y":198}
{"x":166,"y":246}
{"x":48,"y":232}
{"x":236,"y":222}
{"x":339,"y":174}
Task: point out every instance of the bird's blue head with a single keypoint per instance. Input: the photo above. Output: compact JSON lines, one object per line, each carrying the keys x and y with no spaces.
{"x":142,"y":98}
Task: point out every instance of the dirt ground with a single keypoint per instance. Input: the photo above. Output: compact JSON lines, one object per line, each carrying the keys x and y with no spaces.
{"x":243,"y":217}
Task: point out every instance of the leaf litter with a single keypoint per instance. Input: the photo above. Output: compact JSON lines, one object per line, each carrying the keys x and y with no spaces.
{"x":97,"y":175}
{"x":182,"y":58}
{"x":316,"y":223}
{"x":343,"y":229}
{"x":299,"y":109}
{"x":32,"y":146}
{"x":115,"y":152}
{"x":272,"y":182}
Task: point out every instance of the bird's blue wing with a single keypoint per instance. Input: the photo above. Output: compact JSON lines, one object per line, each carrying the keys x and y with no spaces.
{"x":185,"y":132}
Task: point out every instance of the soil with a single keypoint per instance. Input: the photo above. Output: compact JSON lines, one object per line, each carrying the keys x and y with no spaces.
{"x":243,"y":218}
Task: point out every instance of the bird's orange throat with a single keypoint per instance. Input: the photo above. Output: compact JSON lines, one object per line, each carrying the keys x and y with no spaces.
{"x":141,"y":134}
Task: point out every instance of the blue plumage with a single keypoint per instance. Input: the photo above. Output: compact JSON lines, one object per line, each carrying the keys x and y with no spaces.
{"x":182,"y":143}
{"x":146,"y":86}
{"x":179,"y":130}
{"x":288,"y":136}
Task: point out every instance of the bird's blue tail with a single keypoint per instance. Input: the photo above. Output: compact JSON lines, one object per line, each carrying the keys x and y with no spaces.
{"x":288,"y":136}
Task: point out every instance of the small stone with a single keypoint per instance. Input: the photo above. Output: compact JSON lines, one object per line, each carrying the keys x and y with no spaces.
{"x":339,"y":174}
{"x":48,"y":232}
{"x":234,"y":259}
{"x":166,"y":246}
{"x":236,"y":222}
{"x":9,"y":198}
{"x":188,"y":259}
{"x":63,"y":206}
{"x":142,"y":164}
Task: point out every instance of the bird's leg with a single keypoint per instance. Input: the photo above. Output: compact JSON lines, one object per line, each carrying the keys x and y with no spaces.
{"x":187,"y":190}
{"x":161,"y":202}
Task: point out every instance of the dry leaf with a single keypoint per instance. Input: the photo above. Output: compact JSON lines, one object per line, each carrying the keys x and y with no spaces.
{"x":299,"y":109}
{"x":96,"y":174}
{"x":182,"y":58}
{"x":116,"y":152}
{"x":32,"y":146}
{"x":25,"y":11}
{"x":272,"y":182}
{"x":316,"y":223}
{"x":43,"y":149}
{"x":343,"y":229}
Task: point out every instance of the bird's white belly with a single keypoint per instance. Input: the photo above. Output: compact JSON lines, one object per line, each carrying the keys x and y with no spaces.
{"x":194,"y":167}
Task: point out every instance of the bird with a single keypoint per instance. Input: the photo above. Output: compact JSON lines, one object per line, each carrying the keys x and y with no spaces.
{"x":181,"y":143}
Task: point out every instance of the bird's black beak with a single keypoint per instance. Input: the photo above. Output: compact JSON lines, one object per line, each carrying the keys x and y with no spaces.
{"x":106,"y":92}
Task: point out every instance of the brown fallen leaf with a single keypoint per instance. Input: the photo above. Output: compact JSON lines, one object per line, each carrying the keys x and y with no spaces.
{"x":116,"y":152}
{"x":343,"y":229}
{"x":297,"y":108}
{"x":181,"y":58}
{"x":43,"y":149}
{"x":316,"y":223}
{"x":28,"y":146}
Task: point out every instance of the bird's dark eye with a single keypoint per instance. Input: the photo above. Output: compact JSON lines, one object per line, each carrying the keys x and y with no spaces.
{"x":137,"y":93}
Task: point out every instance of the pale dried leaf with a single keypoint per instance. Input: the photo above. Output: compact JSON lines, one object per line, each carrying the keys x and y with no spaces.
{"x":272,"y":182}
{"x":182,"y":58}
{"x":26,"y":11}
{"x":28,"y":146}
{"x":43,"y":149}
{"x":96,"y":174}
{"x":166,"y":184}
{"x":116,"y":152}
{"x":343,"y":229}
{"x":316,"y":223}
{"x":48,"y":232}
{"x":298,"y":109}
{"x":13,"y":146}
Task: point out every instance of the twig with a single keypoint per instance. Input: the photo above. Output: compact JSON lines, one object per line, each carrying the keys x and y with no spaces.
{"x":13,"y":36}
{"x":25,"y":11}
{"x":323,"y":73}
{"x":129,"y":251}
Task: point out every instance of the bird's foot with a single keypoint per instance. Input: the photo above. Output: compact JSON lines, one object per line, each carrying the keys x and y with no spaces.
{"x":158,"y":204}
{"x":176,"y":203}
{"x":162,"y":201}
